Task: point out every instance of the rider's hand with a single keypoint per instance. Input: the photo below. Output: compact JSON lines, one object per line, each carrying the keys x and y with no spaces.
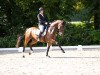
{"x":50,"y":23}
{"x":46,"y":23}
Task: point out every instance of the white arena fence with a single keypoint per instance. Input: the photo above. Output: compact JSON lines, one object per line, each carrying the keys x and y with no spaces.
{"x":79,"y":47}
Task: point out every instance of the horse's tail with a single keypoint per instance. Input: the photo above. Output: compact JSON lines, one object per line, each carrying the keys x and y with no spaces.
{"x":20,"y":39}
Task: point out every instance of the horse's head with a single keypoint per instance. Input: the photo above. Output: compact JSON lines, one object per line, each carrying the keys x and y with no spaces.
{"x":61,"y":27}
{"x":57,"y":26}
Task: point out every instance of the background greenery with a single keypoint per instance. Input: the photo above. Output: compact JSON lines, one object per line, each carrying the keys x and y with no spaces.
{"x":17,"y":15}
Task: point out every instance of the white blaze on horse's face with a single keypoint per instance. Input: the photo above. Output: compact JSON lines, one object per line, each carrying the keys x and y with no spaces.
{"x":60,"y":29}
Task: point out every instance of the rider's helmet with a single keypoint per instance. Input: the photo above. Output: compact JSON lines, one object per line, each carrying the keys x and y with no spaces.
{"x":41,"y":8}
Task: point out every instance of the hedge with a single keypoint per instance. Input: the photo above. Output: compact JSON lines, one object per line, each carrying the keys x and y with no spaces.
{"x":73,"y":35}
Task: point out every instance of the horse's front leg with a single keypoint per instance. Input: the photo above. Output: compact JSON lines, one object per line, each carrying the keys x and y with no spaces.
{"x":60,"y":47}
{"x":23,"y":51}
{"x":48,"y":50}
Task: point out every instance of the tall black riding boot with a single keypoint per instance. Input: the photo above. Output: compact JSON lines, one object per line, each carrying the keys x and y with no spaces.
{"x":39,"y":36}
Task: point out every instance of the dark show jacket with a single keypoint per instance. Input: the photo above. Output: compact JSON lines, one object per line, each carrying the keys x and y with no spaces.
{"x":41,"y":19}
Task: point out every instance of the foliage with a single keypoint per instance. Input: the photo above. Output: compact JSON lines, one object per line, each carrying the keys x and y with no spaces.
{"x":96,"y":36}
{"x":23,"y":13}
{"x":17,"y":15}
{"x":8,"y":41}
{"x":83,"y":34}
{"x":80,"y":35}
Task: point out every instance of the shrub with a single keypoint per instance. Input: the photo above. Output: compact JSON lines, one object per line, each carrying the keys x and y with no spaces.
{"x":82,"y":34}
{"x":96,"y":36}
{"x":8,"y":41}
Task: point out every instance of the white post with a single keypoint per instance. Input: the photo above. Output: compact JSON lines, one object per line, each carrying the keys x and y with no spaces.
{"x":79,"y":47}
{"x":20,"y":49}
{"x":51,"y":47}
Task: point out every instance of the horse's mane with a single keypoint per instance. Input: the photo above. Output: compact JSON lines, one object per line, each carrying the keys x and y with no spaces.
{"x":55,"y":22}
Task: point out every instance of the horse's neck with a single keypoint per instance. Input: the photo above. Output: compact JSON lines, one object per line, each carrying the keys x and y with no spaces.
{"x":53,"y":27}
{"x":52,"y":30}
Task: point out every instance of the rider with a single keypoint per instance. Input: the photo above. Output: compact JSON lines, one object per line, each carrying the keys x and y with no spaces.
{"x":42,"y":21}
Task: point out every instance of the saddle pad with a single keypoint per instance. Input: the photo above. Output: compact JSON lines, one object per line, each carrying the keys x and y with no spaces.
{"x":37,"y":32}
{"x":44,"y":33}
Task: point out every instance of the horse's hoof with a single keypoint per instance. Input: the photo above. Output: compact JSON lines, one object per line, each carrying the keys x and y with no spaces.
{"x":64,"y":52}
{"x":23,"y":56}
{"x":47,"y":56}
{"x":30,"y":53}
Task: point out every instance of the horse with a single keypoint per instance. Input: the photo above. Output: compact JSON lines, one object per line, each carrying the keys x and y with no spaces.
{"x":32,"y":33}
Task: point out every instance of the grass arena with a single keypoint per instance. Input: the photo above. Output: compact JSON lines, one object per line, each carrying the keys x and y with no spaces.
{"x":72,"y":62}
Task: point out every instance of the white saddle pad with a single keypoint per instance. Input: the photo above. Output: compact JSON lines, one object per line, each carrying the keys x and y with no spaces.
{"x":37,"y":32}
{"x":44,"y":33}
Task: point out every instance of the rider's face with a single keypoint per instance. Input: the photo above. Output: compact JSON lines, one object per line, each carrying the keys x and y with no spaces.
{"x":42,"y":12}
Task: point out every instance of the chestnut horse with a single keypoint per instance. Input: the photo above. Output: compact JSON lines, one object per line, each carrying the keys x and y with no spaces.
{"x":31,"y":36}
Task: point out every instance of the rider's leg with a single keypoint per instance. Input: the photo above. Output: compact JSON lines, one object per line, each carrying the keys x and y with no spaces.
{"x":42,"y":28}
{"x":40,"y":35}
{"x":47,"y":29}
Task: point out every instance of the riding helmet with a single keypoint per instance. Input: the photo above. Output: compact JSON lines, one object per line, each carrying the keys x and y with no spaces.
{"x":41,"y":8}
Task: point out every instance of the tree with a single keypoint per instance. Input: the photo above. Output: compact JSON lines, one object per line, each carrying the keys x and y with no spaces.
{"x":97,"y":14}
{"x":95,"y":11}
{"x":21,"y":14}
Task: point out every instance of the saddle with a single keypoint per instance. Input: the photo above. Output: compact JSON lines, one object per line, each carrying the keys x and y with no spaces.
{"x":44,"y":33}
{"x":37,"y":32}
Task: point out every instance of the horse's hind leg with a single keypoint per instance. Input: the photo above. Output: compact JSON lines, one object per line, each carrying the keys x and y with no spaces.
{"x":31,"y":45}
{"x":25,"y":44}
